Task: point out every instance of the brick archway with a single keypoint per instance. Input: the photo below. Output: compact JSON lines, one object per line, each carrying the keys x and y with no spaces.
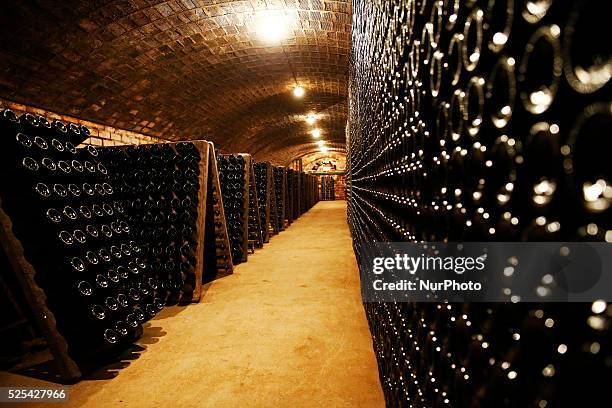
{"x":182,"y":69}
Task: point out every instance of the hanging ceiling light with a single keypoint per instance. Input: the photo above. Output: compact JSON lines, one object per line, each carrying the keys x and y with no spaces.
{"x":316,"y":132}
{"x":271,"y":26}
{"x":298,"y":91}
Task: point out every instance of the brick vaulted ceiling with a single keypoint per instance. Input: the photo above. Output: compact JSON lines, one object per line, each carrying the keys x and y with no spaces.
{"x":183,"y":69}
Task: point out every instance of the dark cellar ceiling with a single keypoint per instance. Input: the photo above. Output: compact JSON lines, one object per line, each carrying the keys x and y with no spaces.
{"x":183,"y":69}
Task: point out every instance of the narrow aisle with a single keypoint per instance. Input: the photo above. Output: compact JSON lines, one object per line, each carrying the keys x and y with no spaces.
{"x":287,"y":329}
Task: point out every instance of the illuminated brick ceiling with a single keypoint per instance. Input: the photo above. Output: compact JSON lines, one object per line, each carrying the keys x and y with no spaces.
{"x":183,"y":69}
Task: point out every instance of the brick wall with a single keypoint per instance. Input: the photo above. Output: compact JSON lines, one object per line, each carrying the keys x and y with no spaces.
{"x":340,"y":187}
{"x":101,"y":135}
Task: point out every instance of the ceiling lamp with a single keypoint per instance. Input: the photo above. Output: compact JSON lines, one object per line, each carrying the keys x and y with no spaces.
{"x":298,"y":91}
{"x":316,"y":132}
{"x":311,"y":119}
{"x":271,"y":26}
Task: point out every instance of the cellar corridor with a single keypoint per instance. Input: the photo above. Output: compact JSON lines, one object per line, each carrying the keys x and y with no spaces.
{"x":286,"y":329}
{"x":193,"y":193}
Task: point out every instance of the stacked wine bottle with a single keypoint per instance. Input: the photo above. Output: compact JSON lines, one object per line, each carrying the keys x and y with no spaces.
{"x":234,"y":189}
{"x":262,"y":180}
{"x":303,"y":192}
{"x":482,"y":121}
{"x":327,"y":188}
{"x":103,"y":238}
{"x":280,"y":187}
{"x":255,"y":226}
{"x":310,"y":191}
{"x":159,"y":184}
{"x":68,"y":214}
{"x":291,"y":196}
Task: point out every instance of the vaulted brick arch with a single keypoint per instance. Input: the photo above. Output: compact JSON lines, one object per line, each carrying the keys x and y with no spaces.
{"x":296,"y":152}
{"x":183,"y":69}
{"x":338,"y":157}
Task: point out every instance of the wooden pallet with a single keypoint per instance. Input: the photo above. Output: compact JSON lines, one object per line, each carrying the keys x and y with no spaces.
{"x":18,"y":326}
{"x":36,"y":298}
{"x":204,"y":149}
{"x":217,"y":249}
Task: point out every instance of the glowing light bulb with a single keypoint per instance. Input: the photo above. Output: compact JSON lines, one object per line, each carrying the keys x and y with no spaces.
{"x":311,"y":119}
{"x":271,"y":26}
{"x":599,"y":306}
{"x":298,"y":91}
{"x":321,"y":143}
{"x":316,"y":132}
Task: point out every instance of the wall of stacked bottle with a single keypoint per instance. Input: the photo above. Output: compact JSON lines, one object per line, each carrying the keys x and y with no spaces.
{"x":255,"y":225}
{"x":70,"y":240}
{"x":328,"y":190}
{"x":295,"y":189}
{"x":262,"y":184}
{"x":290,"y":196}
{"x":234,"y":177}
{"x":309,"y":192}
{"x":266,"y":194}
{"x":481,"y":121}
{"x":272,"y":202}
{"x":280,"y":189}
{"x":164,"y":187}
{"x":100,"y":239}
{"x":301,"y":193}
{"x":239,"y":181}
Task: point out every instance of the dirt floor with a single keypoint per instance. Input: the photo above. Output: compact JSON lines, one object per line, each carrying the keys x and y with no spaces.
{"x":286,"y":330}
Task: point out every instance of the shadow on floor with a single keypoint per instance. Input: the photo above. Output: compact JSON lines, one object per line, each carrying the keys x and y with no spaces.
{"x":113,"y":365}
{"x":103,"y":366}
{"x":41,"y":365}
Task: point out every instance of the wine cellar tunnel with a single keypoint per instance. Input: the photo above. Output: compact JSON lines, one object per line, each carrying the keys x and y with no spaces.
{"x":194,"y":192}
